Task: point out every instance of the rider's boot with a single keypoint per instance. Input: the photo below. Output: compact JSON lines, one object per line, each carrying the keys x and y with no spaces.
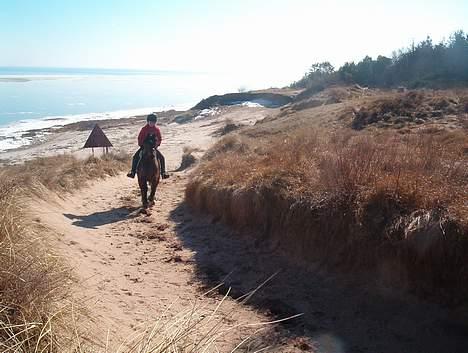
{"x":135,"y":162}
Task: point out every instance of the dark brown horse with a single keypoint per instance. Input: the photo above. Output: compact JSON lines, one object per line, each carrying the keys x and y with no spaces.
{"x":148,"y":172}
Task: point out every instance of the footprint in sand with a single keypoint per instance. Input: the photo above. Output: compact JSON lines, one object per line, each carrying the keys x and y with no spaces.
{"x":162,"y":227}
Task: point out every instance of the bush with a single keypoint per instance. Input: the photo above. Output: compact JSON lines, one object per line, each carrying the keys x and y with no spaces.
{"x":391,"y":204}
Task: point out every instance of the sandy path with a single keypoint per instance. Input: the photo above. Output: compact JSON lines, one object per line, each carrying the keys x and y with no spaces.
{"x":134,"y":266}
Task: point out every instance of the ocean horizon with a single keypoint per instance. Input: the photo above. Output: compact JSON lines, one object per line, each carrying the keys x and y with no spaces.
{"x":33,"y":98}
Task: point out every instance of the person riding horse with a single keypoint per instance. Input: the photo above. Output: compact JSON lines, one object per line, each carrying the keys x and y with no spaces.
{"x":148,"y":171}
{"x":149,"y":129}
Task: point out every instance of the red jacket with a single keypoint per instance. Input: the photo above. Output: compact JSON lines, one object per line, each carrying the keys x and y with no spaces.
{"x":148,"y":130}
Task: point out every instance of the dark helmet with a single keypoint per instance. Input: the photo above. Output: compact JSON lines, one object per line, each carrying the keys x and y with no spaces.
{"x":152,"y":117}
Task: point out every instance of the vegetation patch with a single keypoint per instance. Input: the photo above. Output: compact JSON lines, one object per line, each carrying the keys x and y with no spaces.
{"x":423,"y":64}
{"x":34,"y":282}
{"x":228,"y":127}
{"x":188,"y":159}
{"x":414,"y":107}
{"x":392,"y":205}
{"x":64,"y":173}
{"x":37,"y":313}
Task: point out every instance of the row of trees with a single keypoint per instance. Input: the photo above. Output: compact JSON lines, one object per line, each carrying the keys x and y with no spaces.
{"x":424,"y":64}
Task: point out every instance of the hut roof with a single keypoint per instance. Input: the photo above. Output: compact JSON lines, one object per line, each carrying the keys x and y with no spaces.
{"x":97,"y":138}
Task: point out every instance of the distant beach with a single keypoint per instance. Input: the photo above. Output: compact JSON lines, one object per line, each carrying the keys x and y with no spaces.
{"x":29,"y":78}
{"x":35,"y":101}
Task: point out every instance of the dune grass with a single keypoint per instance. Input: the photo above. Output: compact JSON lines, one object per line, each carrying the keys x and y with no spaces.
{"x":199,"y":328}
{"x":65,"y":173}
{"x":352,"y":200}
{"x":35,"y":283}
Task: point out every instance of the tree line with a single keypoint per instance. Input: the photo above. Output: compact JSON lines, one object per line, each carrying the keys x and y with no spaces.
{"x":421,"y":65}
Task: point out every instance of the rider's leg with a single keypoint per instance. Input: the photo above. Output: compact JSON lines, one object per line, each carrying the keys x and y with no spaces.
{"x":135,"y":162}
{"x":162,"y":163}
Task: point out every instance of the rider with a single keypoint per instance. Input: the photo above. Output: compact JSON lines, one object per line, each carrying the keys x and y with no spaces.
{"x":149,"y":129}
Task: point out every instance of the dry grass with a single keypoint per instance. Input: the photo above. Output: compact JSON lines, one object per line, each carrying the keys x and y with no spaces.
{"x":352,"y":200}
{"x":65,"y":173}
{"x":335,"y":94}
{"x":431,"y":167}
{"x":34,"y":283}
{"x":228,"y":127}
{"x":188,"y":158}
{"x":417,"y":107}
{"x":199,"y":328}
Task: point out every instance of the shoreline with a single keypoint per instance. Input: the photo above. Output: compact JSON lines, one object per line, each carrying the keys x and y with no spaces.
{"x":29,"y":78}
{"x":122,"y":133}
{"x":67,"y":134}
{"x":27,"y":133}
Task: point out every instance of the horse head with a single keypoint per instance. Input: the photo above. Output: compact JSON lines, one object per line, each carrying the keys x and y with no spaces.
{"x":149,"y":145}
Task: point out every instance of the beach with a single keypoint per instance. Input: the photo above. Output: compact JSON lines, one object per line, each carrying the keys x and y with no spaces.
{"x":34,"y":102}
{"x":196,"y":133}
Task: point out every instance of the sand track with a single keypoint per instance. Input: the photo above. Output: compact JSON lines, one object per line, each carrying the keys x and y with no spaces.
{"x":132,"y":267}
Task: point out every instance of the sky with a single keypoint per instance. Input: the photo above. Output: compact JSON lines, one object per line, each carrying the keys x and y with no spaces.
{"x":269,"y":39}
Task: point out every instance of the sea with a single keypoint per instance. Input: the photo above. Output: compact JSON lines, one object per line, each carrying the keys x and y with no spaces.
{"x":34,"y":99}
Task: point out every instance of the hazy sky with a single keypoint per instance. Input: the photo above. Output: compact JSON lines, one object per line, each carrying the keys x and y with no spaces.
{"x":263,"y":38}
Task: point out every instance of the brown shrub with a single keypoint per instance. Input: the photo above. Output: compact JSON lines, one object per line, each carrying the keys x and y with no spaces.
{"x":396,"y":204}
{"x":231,"y":143}
{"x":338,"y":93}
{"x":228,"y":127}
{"x":188,"y":159}
{"x":409,"y":107}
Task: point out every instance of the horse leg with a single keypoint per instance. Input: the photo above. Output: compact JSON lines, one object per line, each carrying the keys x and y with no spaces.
{"x":154,"y":184}
{"x":144,"y":190}
{"x":154,"y":181}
